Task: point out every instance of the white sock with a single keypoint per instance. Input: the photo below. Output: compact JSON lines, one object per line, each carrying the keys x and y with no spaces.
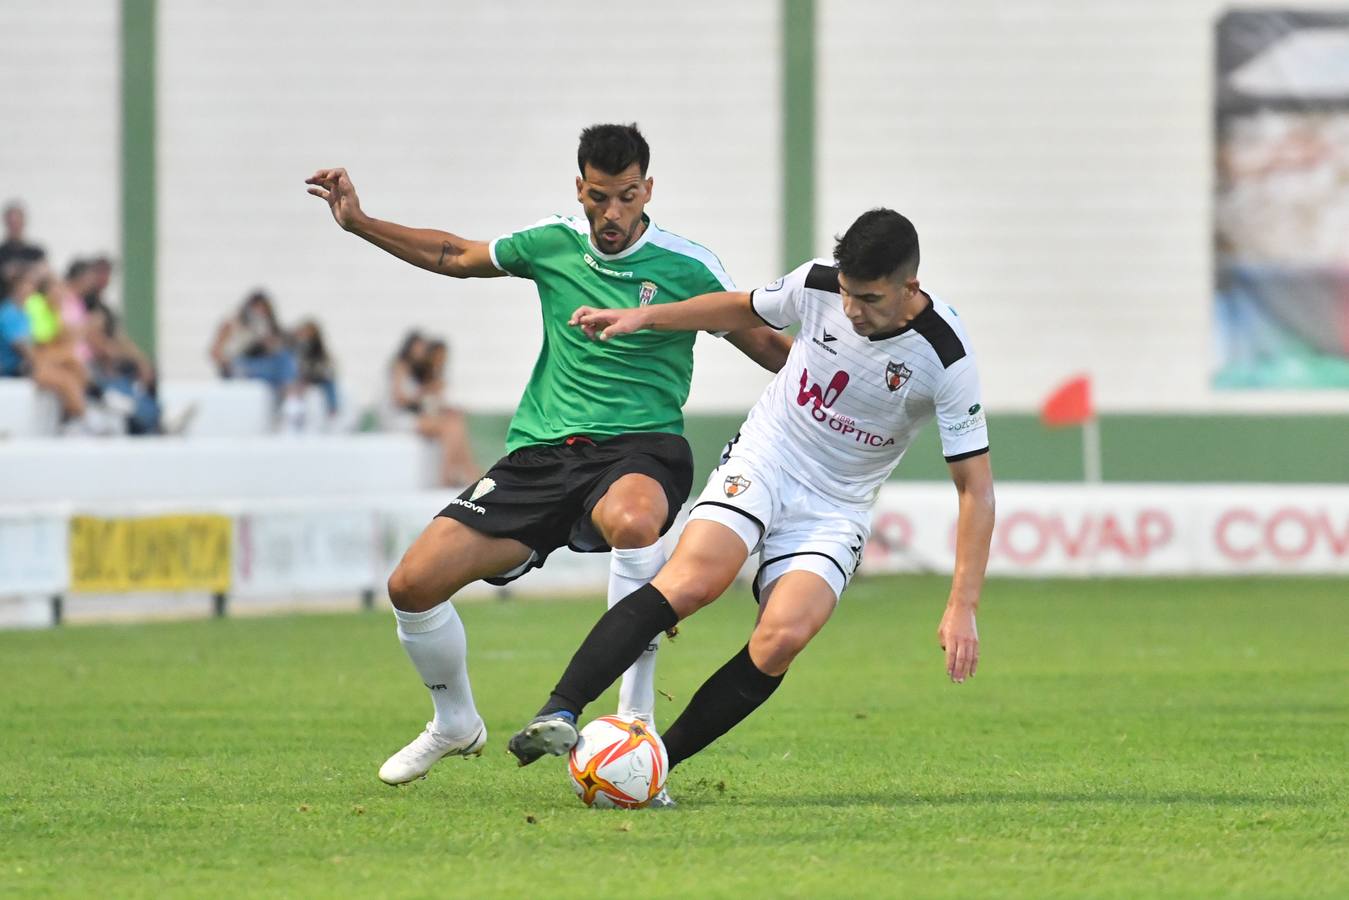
{"x":629,"y":570}
{"x":435,"y":642}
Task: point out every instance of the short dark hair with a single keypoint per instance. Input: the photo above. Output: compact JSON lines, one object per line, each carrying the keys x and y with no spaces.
{"x":880,"y":243}
{"x":612,"y":148}
{"x":76,"y":268}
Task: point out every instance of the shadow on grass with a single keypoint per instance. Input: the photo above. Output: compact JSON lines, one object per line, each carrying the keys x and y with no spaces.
{"x":1029,"y":798}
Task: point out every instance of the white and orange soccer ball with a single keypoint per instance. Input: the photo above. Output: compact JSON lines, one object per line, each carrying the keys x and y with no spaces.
{"x":618,"y":762}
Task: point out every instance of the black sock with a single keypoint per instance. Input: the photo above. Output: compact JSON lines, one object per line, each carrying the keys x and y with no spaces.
{"x":617,"y":640}
{"x":732,"y":693}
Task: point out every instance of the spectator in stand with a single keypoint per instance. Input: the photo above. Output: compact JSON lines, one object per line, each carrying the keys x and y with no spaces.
{"x":15,"y":249}
{"x":415,"y":402}
{"x":402,"y":399}
{"x":75,"y":317}
{"x":20,"y":357}
{"x":464,"y":468}
{"x":43,"y":319}
{"x":316,"y":366}
{"x":122,"y":374}
{"x":113,"y":347}
{"x":251,"y":344}
{"x":51,"y":346}
{"x":100,"y":275}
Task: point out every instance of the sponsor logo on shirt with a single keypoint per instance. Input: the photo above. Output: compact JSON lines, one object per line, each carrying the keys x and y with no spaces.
{"x":736,"y":485}
{"x":896,"y":374}
{"x":824,"y":344}
{"x":974,"y":420}
{"x":648,"y":293}
{"x":594,"y":264}
{"x":819,"y":402}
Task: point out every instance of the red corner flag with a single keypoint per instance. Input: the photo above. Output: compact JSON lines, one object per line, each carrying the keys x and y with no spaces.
{"x":1070,"y":404}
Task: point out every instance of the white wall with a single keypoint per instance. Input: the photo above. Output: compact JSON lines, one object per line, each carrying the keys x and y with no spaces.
{"x":60,"y":127}
{"x":1056,"y":159}
{"x":453,"y":115}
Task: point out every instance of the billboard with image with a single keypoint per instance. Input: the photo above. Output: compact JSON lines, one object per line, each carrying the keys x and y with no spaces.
{"x":1281,"y":208}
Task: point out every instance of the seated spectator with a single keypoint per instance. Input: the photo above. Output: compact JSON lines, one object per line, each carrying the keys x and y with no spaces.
{"x":463,"y":468}
{"x":19,"y":356}
{"x":43,"y":305}
{"x":316,"y":366}
{"x":122,"y":376}
{"x":415,"y":402}
{"x":15,"y":249}
{"x":251,"y":344}
{"x":75,"y":318}
{"x":402,"y":403}
{"x":108,"y":337}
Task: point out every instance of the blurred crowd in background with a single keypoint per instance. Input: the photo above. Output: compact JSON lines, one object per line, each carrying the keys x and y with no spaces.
{"x":57,"y":329}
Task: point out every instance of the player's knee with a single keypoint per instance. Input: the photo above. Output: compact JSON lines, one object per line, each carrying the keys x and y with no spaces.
{"x":635,"y":525}
{"x":686,"y":590}
{"x":407,"y":592}
{"x":774,"y":645}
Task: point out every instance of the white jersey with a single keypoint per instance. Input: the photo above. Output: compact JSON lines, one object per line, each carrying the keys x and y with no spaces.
{"x":844,"y":408}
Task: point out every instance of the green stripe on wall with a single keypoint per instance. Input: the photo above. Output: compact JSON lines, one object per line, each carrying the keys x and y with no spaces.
{"x":1135,"y":448}
{"x":138,"y":171}
{"x":798,"y":132}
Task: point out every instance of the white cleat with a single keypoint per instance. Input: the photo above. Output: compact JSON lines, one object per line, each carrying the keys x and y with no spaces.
{"x":417,"y":758}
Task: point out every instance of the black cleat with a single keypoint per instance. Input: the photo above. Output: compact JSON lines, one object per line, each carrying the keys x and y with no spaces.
{"x":553,"y":733}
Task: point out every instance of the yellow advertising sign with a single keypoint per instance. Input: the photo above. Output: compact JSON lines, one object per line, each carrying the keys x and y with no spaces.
{"x":150,"y":553}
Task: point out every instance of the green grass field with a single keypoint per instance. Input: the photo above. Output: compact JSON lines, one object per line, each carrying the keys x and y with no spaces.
{"x":1122,"y":739}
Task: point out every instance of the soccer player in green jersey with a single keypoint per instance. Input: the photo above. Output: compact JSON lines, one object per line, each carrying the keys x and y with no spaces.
{"x":595,"y":454}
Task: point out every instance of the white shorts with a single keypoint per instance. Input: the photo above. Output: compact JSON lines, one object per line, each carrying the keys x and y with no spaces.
{"x":791,"y":526}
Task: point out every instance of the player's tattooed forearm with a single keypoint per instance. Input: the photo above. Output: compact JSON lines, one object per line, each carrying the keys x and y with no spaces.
{"x":446,"y":250}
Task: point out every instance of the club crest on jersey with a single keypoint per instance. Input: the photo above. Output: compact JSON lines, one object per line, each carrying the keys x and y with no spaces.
{"x":736,"y":485}
{"x":484,"y":487}
{"x":648,"y":292}
{"x":896,"y":374}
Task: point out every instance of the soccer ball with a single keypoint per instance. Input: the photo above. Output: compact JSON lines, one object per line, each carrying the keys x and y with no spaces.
{"x":619,"y":763}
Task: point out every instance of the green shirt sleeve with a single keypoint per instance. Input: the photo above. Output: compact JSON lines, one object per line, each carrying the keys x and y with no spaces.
{"x":515,"y":253}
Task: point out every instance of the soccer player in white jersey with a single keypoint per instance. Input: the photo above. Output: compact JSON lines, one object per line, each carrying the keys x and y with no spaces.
{"x":875,"y":359}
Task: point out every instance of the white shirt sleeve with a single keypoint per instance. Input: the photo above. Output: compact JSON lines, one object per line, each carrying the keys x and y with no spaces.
{"x":778,"y":304}
{"x":960,"y":412}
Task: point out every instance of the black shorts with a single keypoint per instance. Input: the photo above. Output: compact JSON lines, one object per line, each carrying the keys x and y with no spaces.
{"x":542,"y":495}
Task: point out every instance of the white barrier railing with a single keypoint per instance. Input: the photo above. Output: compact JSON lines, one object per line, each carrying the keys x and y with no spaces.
{"x":280,"y":548}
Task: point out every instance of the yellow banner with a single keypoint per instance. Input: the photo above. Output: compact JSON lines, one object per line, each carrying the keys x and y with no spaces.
{"x":150,"y":553}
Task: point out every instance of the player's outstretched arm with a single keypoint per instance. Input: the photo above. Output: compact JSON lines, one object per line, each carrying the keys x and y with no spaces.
{"x":427,"y":248}
{"x":764,"y":345}
{"x":973,"y":478}
{"x":723,"y":311}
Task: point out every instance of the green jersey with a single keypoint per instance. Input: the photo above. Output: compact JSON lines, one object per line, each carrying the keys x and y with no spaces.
{"x":634,"y":383}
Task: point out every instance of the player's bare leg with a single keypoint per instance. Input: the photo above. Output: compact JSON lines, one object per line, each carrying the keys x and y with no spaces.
{"x":705,"y":562}
{"x":792,"y":611}
{"x":630,"y":517}
{"x":446,"y":556}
